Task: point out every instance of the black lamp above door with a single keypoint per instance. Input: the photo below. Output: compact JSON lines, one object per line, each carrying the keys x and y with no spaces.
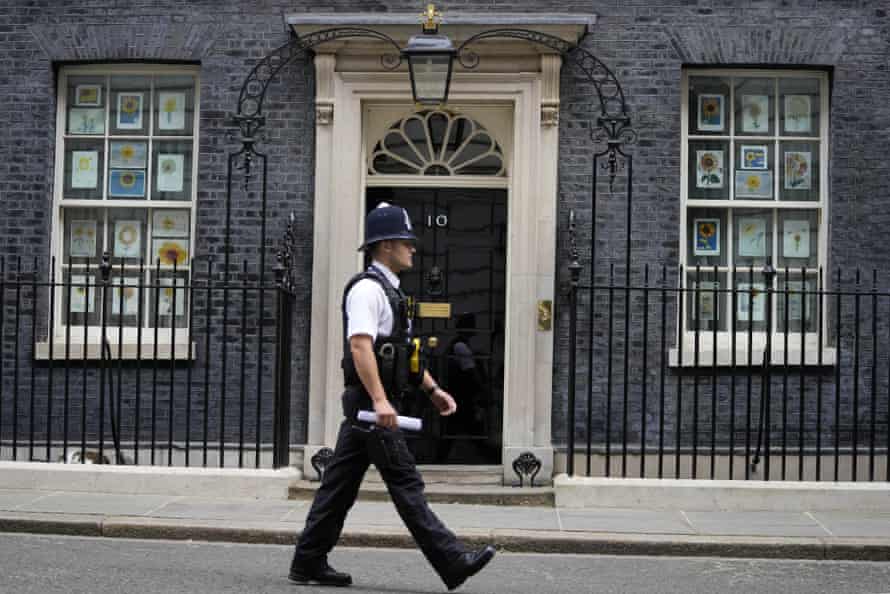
{"x":430,"y":60}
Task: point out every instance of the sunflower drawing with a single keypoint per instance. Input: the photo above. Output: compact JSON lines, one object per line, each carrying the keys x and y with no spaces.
{"x":128,"y":235}
{"x":706,"y":236}
{"x":755,"y":112}
{"x":168,"y":223}
{"x":172,"y":253}
{"x":170,"y":108}
{"x":798,"y":110}
{"x":128,"y":152}
{"x":128,"y":180}
{"x":753,"y":184}
{"x":797,"y":170}
{"x":129,"y":105}
{"x":711,"y":110}
{"x":710,"y":169}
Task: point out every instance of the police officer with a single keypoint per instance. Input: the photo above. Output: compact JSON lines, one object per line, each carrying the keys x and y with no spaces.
{"x":379,"y":364}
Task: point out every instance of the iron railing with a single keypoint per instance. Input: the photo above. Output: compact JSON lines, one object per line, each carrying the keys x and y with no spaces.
{"x":144,"y":364}
{"x":724,"y":373}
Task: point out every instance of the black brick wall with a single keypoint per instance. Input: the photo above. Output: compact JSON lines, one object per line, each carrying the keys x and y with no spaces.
{"x":645,"y":43}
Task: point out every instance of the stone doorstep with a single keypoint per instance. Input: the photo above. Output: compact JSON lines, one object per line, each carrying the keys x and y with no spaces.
{"x":470,"y":485}
{"x":467,"y":494}
{"x":450,"y":474}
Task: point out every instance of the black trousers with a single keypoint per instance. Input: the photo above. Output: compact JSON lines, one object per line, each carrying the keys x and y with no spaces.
{"x":359,"y":444}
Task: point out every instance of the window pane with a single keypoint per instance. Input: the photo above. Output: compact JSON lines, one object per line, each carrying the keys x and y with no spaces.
{"x":799,"y":243}
{"x":128,"y":229}
{"x":708,"y":105}
{"x":172,"y":166}
{"x":86,"y":100}
{"x":170,"y":230}
{"x":129,"y":105}
{"x":750,"y":301}
{"x":752,"y":236}
{"x":79,"y":301}
{"x":164,"y":301}
{"x":174,"y":105}
{"x":799,"y":106}
{"x":707,"y":237}
{"x":708,"y":170}
{"x":754,"y":106}
{"x":799,"y":170}
{"x":83,"y":169}
{"x":799,"y":299}
{"x":123,"y":300}
{"x":705,"y":303}
{"x":754,"y":170}
{"x":83,"y":238}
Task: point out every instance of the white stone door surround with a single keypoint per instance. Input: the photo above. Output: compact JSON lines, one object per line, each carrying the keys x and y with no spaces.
{"x":348,"y":82}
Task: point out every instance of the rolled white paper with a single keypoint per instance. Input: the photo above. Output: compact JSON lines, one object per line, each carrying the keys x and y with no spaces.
{"x":406,"y":423}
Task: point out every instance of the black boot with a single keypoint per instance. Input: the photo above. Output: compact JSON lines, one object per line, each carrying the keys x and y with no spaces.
{"x":321,"y":574}
{"x":467,"y":565}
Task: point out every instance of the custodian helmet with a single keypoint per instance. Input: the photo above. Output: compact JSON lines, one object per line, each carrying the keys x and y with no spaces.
{"x":387,"y":222}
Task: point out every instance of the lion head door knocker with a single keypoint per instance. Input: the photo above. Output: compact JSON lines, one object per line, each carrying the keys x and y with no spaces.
{"x":434,"y":281}
{"x":528,"y":465}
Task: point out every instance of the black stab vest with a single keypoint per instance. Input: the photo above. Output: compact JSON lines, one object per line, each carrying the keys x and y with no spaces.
{"x":392,"y":352}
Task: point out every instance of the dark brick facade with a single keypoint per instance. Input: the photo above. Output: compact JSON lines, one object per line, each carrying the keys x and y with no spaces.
{"x":645,"y":43}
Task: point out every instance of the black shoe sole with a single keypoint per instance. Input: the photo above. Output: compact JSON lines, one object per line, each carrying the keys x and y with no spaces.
{"x":307,"y":581}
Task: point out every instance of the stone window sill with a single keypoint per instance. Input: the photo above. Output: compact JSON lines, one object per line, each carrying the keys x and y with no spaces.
{"x":779,"y":358}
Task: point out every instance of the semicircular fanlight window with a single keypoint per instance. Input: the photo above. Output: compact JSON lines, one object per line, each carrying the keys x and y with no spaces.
{"x":437,"y":142}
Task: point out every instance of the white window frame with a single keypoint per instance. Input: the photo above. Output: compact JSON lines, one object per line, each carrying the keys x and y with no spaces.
{"x":815,"y":353}
{"x":87,"y":343}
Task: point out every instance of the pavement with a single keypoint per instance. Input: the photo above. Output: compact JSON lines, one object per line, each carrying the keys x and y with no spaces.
{"x":841,"y":535}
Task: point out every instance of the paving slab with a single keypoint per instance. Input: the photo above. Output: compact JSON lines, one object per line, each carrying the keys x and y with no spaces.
{"x":623,"y":520}
{"x":855,"y":524}
{"x":206,"y":509}
{"x":97,"y":503}
{"x":754,"y":523}
{"x":12,"y":499}
{"x":491,"y":517}
{"x":372,"y":513}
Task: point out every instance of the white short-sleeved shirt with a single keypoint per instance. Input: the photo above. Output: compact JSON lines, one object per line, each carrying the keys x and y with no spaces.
{"x":367,"y":309}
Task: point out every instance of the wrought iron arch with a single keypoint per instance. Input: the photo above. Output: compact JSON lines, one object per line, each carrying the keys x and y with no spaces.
{"x":250,"y":120}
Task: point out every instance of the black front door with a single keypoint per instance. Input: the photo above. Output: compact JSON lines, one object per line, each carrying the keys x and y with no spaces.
{"x":458,"y":283}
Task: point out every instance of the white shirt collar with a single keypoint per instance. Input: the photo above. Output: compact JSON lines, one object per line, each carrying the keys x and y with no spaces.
{"x":389,"y":274}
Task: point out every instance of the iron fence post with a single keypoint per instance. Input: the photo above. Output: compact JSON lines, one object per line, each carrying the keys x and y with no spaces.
{"x":769,"y":274}
{"x":105,"y":273}
{"x":575,"y":277}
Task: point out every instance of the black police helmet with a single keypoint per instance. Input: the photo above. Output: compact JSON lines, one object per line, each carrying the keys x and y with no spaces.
{"x":387,"y":222}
